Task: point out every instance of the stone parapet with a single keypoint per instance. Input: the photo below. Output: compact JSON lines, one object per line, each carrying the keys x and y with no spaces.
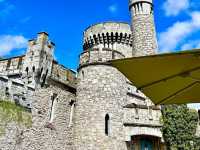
{"x":98,"y":55}
{"x":113,"y":35}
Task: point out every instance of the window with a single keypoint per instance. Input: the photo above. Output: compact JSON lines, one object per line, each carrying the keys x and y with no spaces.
{"x":83,"y":74}
{"x":136,"y":113}
{"x":72,"y":104}
{"x":7,"y":92}
{"x":150,"y":113}
{"x":33,"y":68}
{"x":26,"y":70}
{"x":107,"y":124}
{"x":53,"y":104}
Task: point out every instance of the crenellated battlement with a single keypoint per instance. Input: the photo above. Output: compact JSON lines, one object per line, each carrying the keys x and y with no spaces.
{"x":113,"y":35}
{"x":11,"y":66}
{"x":141,"y":7}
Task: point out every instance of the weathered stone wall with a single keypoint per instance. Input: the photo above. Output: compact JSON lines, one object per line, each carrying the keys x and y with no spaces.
{"x":14,"y":120}
{"x":15,"y":90}
{"x":47,"y":134}
{"x":144,"y":36}
{"x":101,"y":90}
{"x":99,"y":55}
{"x":11,"y":66}
{"x":63,"y":74}
{"x":142,"y":120}
{"x":143,"y":28}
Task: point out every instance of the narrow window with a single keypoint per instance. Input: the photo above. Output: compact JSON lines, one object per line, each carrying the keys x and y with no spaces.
{"x":7,"y":92}
{"x":150,"y":113}
{"x":72,"y":104}
{"x":53,"y":103}
{"x":33,"y":68}
{"x":83,"y":74}
{"x":136,"y":113}
{"x":107,"y":124}
{"x":26,"y":70}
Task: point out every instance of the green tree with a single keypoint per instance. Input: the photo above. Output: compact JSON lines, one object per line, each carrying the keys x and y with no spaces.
{"x":179,"y":127}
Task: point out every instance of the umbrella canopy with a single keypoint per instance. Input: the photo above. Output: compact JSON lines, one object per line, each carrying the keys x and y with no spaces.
{"x":172,"y":78}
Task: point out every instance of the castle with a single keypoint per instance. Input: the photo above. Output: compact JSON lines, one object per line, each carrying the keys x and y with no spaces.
{"x":96,"y":109}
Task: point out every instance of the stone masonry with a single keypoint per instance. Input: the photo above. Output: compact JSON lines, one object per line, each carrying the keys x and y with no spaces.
{"x":143,"y":28}
{"x":97,"y":108}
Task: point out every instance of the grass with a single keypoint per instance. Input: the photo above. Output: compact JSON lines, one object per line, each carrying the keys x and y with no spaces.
{"x":10,"y":112}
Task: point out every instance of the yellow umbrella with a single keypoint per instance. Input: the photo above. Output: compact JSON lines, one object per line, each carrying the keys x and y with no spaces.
{"x":172,"y":78}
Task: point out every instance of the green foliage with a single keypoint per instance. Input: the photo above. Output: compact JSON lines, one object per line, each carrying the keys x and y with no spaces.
{"x":179,"y":127}
{"x":10,"y":112}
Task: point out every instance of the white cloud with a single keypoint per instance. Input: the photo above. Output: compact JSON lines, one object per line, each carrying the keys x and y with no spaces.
{"x":174,"y":7}
{"x":194,"y":106}
{"x":113,"y":8}
{"x":11,"y":42}
{"x":195,"y":44}
{"x":178,"y":32}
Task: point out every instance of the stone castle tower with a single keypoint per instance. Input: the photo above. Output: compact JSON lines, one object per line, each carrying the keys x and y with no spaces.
{"x":99,"y":109}
{"x":38,"y":60}
{"x":143,"y":28}
{"x":110,"y":113}
{"x":101,"y":90}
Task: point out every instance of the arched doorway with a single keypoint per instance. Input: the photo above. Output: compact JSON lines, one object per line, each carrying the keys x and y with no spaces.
{"x":144,"y":142}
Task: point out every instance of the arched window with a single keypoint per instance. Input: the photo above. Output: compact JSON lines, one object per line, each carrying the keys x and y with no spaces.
{"x":107,"y":124}
{"x":83,"y":74}
{"x":54,"y":98}
{"x":27,"y":70}
{"x":33,"y":68}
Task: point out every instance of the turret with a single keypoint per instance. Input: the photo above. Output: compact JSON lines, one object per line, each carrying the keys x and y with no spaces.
{"x":144,"y":34}
{"x":38,"y":60}
{"x":116,"y":36}
{"x":101,"y":88}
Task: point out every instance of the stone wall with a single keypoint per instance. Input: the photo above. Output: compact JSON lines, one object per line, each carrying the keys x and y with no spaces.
{"x":101,"y":90}
{"x":63,"y":74}
{"x":99,"y":55}
{"x":16,"y":90}
{"x":51,"y":129}
{"x":11,"y":66}
{"x":143,"y":28}
{"x":14,"y":120}
{"x":144,"y":35}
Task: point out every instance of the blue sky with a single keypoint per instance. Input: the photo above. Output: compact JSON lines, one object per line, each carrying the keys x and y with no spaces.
{"x":177,"y":24}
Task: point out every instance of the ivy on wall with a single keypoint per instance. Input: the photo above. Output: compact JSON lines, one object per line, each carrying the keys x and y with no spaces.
{"x":10,"y":112}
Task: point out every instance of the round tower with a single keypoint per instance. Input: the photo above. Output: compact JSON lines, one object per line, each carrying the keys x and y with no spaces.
{"x":101,"y":90}
{"x":112,"y":35}
{"x":143,"y":28}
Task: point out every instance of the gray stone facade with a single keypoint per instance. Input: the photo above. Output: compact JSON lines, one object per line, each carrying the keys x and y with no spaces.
{"x":95,"y":109}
